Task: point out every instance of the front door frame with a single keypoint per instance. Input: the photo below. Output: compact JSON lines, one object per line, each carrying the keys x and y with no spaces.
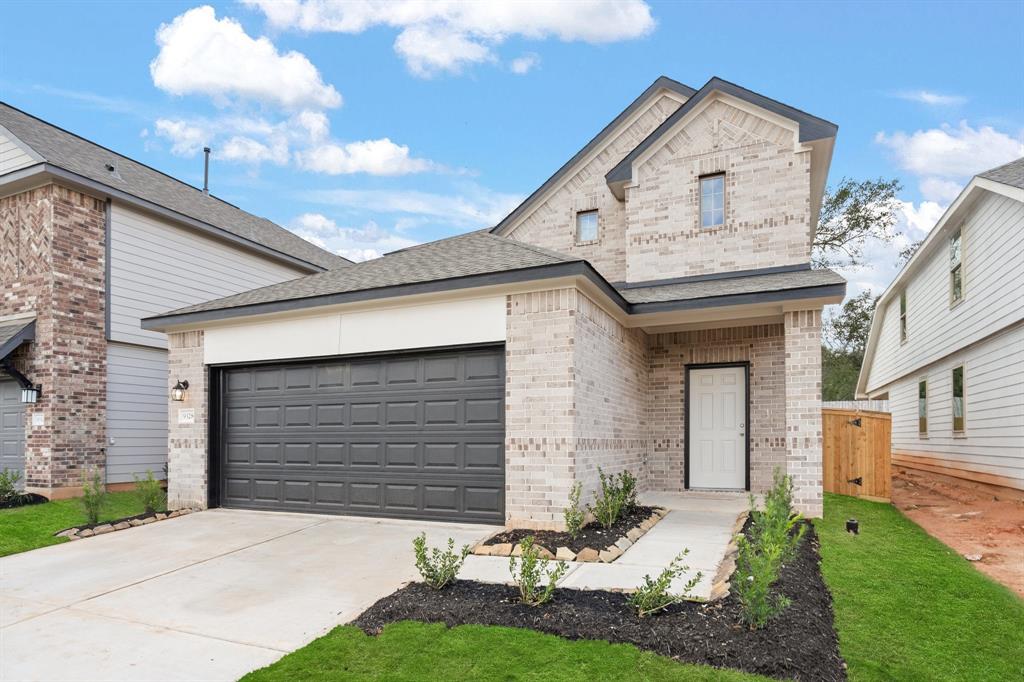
{"x":686,"y":416}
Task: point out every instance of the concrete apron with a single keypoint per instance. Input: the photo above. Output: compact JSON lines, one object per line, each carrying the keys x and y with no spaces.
{"x":209,"y":596}
{"x":701,"y":522}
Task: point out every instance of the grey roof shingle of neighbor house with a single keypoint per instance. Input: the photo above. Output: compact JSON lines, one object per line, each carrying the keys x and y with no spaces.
{"x":59,"y":148}
{"x":1008,"y":174}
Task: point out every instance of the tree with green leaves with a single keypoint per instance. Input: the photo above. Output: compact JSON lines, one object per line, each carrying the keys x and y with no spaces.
{"x":845,"y":335}
{"x":852,"y":213}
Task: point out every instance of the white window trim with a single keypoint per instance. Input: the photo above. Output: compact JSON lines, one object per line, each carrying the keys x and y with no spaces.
{"x":923,"y":435}
{"x":576,"y":226}
{"x":700,"y":201}
{"x":962,"y":433}
{"x":954,"y":302}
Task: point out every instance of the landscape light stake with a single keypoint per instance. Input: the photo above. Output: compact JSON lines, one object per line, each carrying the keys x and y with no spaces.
{"x":853,"y":526}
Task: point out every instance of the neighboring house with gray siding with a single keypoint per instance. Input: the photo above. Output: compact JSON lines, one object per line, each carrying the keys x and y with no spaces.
{"x":91,"y":242}
{"x":946,"y":347}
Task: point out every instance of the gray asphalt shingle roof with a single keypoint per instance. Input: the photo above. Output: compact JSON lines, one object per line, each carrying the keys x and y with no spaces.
{"x":1008,"y":174}
{"x":732,"y":286}
{"x":13,"y":333}
{"x":82,"y":157}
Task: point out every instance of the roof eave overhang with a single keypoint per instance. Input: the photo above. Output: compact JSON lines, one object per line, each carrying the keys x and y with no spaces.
{"x":33,"y":176}
{"x":24,"y":335}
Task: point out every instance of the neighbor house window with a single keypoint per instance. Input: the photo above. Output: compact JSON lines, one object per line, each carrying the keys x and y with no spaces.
{"x":586,"y":226}
{"x":712,"y":200}
{"x":922,"y":408}
{"x":959,"y":408}
{"x":903,"y":316}
{"x":956,"y":270}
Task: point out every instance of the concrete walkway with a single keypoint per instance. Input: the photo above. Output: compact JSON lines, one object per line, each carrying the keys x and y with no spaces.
{"x":702,"y":522}
{"x":209,"y":596}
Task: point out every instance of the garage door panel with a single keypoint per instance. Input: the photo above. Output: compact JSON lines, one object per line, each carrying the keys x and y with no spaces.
{"x":418,"y":436}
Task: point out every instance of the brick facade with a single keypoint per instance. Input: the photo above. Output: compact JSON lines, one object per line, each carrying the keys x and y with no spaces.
{"x":52,"y":265}
{"x":187,"y":459}
{"x":803,"y":408}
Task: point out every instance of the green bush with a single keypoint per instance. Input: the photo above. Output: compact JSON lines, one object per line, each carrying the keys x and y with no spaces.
{"x":150,"y":493}
{"x":610,"y":500}
{"x":9,"y":491}
{"x":654,"y":595}
{"x":94,"y":494}
{"x":532,"y":571}
{"x":438,"y":567}
{"x":627,"y":484}
{"x":774,"y":536}
{"x":574,"y":515}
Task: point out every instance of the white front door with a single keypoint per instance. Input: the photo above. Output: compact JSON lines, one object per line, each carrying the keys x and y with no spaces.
{"x":717,"y":428}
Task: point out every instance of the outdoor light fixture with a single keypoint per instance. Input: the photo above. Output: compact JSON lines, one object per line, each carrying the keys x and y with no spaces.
{"x":30,"y":395}
{"x":853,"y":526}
{"x":178,"y":392}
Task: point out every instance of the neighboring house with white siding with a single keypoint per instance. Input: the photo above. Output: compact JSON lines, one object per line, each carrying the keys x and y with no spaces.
{"x":90,"y":243}
{"x":946,"y":346}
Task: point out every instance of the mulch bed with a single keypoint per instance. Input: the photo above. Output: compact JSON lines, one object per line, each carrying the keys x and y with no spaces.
{"x":22,"y":500}
{"x":592,"y":535}
{"x":800,"y":643}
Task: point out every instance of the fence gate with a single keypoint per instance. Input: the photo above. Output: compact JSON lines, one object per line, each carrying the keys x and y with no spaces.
{"x":857,"y":453}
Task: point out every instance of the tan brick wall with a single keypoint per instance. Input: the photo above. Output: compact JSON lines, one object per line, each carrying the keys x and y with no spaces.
{"x":552,"y":223}
{"x":52,"y":264}
{"x":767,"y":199}
{"x":803,"y":408}
{"x":762,"y":347}
{"x":187,"y":458}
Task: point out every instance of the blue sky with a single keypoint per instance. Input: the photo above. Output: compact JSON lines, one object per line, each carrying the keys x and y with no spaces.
{"x":371,"y":127}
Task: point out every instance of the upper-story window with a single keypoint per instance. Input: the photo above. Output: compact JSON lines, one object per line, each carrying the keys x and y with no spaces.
{"x":959,"y":407}
{"x":586,"y":226}
{"x":712,"y":200}
{"x":956,"y":269}
{"x":903,"y":316}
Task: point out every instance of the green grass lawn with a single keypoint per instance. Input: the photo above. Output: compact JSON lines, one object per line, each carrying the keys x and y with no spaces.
{"x":25,"y":528}
{"x":910,"y":608}
{"x":907,"y":608}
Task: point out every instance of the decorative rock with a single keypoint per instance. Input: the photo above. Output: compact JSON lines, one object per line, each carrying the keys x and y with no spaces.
{"x":544,"y":552}
{"x":719,"y":591}
{"x":588,"y":554}
{"x":148,"y":519}
{"x":972,"y":557}
{"x":105,"y":528}
{"x":72,"y":537}
{"x":87,"y":533}
{"x":648,"y":523}
{"x":623,"y":544}
{"x":502,"y":549}
{"x":135,"y":522}
{"x":122,"y":525}
{"x":482,"y":550}
{"x":161,"y":516}
{"x":635,"y":534}
{"x":565,"y":554}
{"x":182,"y":512}
{"x":67,"y":533}
{"x":611,"y":554}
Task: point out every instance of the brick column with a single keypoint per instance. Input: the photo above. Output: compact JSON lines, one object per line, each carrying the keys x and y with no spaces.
{"x":187,"y":458}
{"x":803,"y":408}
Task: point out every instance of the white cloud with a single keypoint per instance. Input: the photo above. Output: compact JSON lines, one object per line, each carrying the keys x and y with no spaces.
{"x":937,"y":189}
{"x":525,"y":64}
{"x":445,"y":36}
{"x":931,"y":98}
{"x":200,"y":54}
{"x":187,"y":139}
{"x":952,"y":152}
{"x":376,"y":157}
{"x":248,"y":150}
{"x":473,"y":207}
{"x":355,"y":243}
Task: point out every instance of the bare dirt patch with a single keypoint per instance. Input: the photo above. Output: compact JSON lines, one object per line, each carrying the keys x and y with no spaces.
{"x":972,"y":518}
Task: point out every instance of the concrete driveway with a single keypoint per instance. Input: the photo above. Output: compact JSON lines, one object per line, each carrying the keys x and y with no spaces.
{"x":209,"y":596}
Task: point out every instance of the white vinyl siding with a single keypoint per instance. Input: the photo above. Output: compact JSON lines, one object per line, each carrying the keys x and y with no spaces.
{"x":12,"y":156}
{"x":993,"y":441}
{"x":136,"y":411}
{"x":156,"y":267}
{"x":994,"y":253}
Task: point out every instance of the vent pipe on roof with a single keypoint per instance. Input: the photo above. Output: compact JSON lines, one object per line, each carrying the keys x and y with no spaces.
{"x":206,"y":170}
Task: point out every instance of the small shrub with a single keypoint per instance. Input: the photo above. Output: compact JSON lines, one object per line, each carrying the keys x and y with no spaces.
{"x":9,"y":491}
{"x":654,"y":595}
{"x":610,"y":500}
{"x":438,"y":567}
{"x":574,"y":515}
{"x":94,"y":494}
{"x":532,"y":571}
{"x":627,"y":485}
{"x":150,"y":493}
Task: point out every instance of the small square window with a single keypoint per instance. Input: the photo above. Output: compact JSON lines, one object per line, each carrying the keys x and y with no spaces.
{"x":959,"y":408}
{"x":712,"y":200}
{"x":586,"y":226}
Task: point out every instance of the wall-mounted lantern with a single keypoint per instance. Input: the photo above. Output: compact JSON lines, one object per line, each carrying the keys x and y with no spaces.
{"x":178,"y":392}
{"x":30,"y":394}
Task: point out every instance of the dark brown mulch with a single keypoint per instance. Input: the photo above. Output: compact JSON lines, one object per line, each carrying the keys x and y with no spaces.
{"x":22,"y":500}
{"x":800,"y":643}
{"x":592,"y":535}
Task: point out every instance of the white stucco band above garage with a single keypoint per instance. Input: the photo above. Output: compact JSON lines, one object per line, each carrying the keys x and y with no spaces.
{"x":420,"y":325}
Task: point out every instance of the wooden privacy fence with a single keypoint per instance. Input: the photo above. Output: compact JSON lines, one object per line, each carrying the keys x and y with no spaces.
{"x":857,"y":453}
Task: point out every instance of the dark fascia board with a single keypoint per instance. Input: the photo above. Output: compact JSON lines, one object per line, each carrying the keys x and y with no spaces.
{"x":570,"y":269}
{"x":108,"y":192}
{"x":777,"y":296}
{"x":811,"y":127}
{"x":662,"y":83}
{"x":778,"y":269}
{"x":27,"y":333}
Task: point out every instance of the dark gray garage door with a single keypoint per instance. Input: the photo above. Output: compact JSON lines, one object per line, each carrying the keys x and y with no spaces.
{"x":12,"y":427}
{"x":415,"y":436}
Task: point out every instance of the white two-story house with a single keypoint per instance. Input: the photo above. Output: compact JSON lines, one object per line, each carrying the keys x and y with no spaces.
{"x":650,"y":307}
{"x":946,"y":346}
